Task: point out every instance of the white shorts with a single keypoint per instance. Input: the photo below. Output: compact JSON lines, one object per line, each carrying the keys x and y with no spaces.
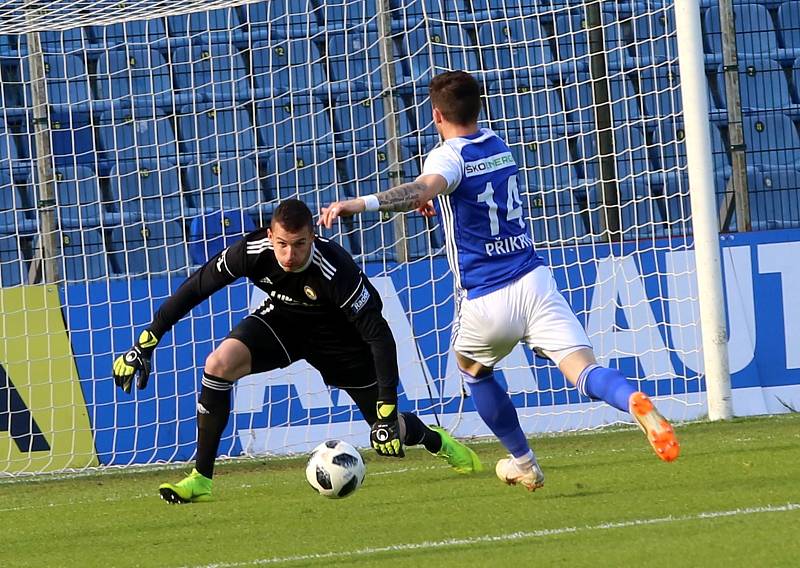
{"x":531,"y":309}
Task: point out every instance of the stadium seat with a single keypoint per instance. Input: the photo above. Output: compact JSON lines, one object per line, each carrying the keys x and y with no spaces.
{"x":148,"y":190}
{"x":136,"y":34}
{"x":137,"y":77}
{"x":292,"y":120}
{"x":132,"y":135}
{"x":539,"y":109}
{"x":363,"y":117}
{"x":789,"y":25}
{"x":78,"y":197}
{"x":436,"y":49}
{"x":148,"y":248}
{"x":542,"y":157}
{"x":515,"y":47}
{"x":654,"y":40}
{"x":208,"y":132}
{"x":307,"y":173}
{"x":71,"y":41}
{"x":227,"y":184}
{"x":774,"y":197}
{"x":212,"y":232}
{"x":84,"y":255}
{"x":762,"y":86}
{"x":354,"y":57}
{"x":210,"y":74}
{"x":771,"y":139}
{"x":755,"y":33}
{"x":286,"y":66}
{"x":283,"y":18}
{"x":572,"y":43}
{"x":208,"y":27}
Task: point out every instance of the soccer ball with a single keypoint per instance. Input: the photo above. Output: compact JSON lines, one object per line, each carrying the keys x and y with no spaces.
{"x":335,"y":469}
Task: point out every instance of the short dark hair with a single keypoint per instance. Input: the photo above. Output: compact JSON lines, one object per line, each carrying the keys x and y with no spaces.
{"x":293,"y":215}
{"x":457,"y":95}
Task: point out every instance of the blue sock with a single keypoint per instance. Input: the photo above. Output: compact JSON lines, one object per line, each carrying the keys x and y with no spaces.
{"x":496,"y":409}
{"x":602,"y":383}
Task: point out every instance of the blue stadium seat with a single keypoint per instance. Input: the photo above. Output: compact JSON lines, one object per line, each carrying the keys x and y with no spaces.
{"x":78,"y":197}
{"x":449,"y":48}
{"x":136,"y":34}
{"x":774,"y":197}
{"x":292,"y":120}
{"x":354,"y":57}
{"x":147,"y":190}
{"x":755,"y":33}
{"x":762,"y":86}
{"x":670,"y":156}
{"x":307,"y":173}
{"x":342,"y":14}
{"x":207,"y":27}
{"x":572,"y":43}
{"x":655,"y":39}
{"x":212,"y":74}
{"x":286,"y":65}
{"x":136,"y":77}
{"x":84,"y":255}
{"x":207,"y":132}
{"x":543,"y":158}
{"x":73,"y":41}
{"x":12,"y":269}
{"x":771,"y":139}
{"x":67,"y":80}
{"x":515,"y":46}
{"x":148,"y":248}
{"x":212,"y":232}
{"x":283,"y":18}
{"x":133,"y":135}
{"x":363,"y":117}
{"x":789,"y":25}
{"x":540,"y":109}
{"x":227,"y":184}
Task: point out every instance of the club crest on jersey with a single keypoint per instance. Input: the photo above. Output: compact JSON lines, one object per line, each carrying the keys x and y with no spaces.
{"x":310,"y":293}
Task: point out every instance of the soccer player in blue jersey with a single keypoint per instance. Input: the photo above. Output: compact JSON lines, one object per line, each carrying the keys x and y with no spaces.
{"x":505,"y":293}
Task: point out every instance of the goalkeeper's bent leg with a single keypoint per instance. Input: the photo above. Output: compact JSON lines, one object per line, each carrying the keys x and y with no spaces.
{"x":213,"y":411}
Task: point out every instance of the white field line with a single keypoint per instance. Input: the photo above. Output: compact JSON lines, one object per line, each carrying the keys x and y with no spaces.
{"x":508,"y":537}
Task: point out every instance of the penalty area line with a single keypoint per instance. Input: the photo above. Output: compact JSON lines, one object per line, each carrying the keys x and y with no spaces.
{"x":508,"y":537}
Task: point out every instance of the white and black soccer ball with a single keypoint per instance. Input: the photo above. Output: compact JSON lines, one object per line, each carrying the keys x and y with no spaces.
{"x":335,"y":469}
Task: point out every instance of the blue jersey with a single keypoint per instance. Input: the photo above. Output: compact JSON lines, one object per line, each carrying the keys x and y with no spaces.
{"x":488,"y":240}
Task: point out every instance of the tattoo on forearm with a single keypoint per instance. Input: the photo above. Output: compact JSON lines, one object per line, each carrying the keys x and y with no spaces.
{"x":405,"y":197}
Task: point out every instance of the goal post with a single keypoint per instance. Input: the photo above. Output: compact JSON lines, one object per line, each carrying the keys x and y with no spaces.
{"x":175,"y":127}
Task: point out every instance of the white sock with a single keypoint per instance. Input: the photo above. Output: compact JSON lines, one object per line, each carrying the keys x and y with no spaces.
{"x":525,"y":462}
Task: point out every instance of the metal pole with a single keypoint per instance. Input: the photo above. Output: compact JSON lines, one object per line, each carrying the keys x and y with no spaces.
{"x":611,"y":218}
{"x":704,"y":210}
{"x":393,"y":143}
{"x":45,"y":267}
{"x":730,"y":65}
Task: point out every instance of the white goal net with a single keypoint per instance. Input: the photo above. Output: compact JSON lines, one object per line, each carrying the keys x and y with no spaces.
{"x":137,"y":138}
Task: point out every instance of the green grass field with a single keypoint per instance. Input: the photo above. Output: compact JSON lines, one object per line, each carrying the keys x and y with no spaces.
{"x":732,"y":499}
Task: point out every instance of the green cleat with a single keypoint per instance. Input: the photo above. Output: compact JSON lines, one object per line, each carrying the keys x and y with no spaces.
{"x":194,"y":488}
{"x":460,"y":457}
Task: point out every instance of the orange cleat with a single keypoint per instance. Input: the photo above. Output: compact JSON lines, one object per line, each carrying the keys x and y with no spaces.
{"x":658,"y":430}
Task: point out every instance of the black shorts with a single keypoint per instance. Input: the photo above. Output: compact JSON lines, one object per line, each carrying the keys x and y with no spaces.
{"x":275,"y":343}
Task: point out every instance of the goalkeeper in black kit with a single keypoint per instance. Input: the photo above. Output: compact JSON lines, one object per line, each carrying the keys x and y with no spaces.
{"x":319,"y":307}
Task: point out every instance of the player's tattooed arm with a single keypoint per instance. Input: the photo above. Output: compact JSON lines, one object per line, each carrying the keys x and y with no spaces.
{"x":405,"y":197}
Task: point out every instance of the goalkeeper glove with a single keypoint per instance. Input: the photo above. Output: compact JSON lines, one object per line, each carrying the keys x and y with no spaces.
{"x":385,"y":433}
{"x":136,"y":361}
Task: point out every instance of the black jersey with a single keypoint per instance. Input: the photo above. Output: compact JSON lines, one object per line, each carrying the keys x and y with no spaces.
{"x":331,"y":304}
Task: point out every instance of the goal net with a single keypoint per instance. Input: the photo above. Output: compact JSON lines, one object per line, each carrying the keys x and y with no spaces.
{"x":139,"y":138}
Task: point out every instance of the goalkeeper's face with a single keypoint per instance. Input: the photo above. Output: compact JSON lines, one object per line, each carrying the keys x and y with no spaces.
{"x":292,"y":250}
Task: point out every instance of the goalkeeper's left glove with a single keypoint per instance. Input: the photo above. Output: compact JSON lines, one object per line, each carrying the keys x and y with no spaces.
{"x":385,"y":433}
{"x":135,"y":361}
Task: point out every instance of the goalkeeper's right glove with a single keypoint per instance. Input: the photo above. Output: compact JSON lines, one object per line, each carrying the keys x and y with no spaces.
{"x":385,"y":433}
{"x":136,"y":361}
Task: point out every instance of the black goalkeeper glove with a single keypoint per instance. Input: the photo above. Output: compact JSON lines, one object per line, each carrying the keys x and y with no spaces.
{"x":136,"y":361}
{"x":385,"y":433}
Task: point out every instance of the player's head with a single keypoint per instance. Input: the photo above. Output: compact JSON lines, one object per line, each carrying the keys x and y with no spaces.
{"x":456,"y":100}
{"x":292,"y":234}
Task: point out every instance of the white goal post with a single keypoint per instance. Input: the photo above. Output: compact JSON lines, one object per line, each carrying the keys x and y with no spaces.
{"x":137,"y":138}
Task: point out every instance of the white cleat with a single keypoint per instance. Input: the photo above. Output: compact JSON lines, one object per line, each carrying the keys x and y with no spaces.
{"x":531,"y":478}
